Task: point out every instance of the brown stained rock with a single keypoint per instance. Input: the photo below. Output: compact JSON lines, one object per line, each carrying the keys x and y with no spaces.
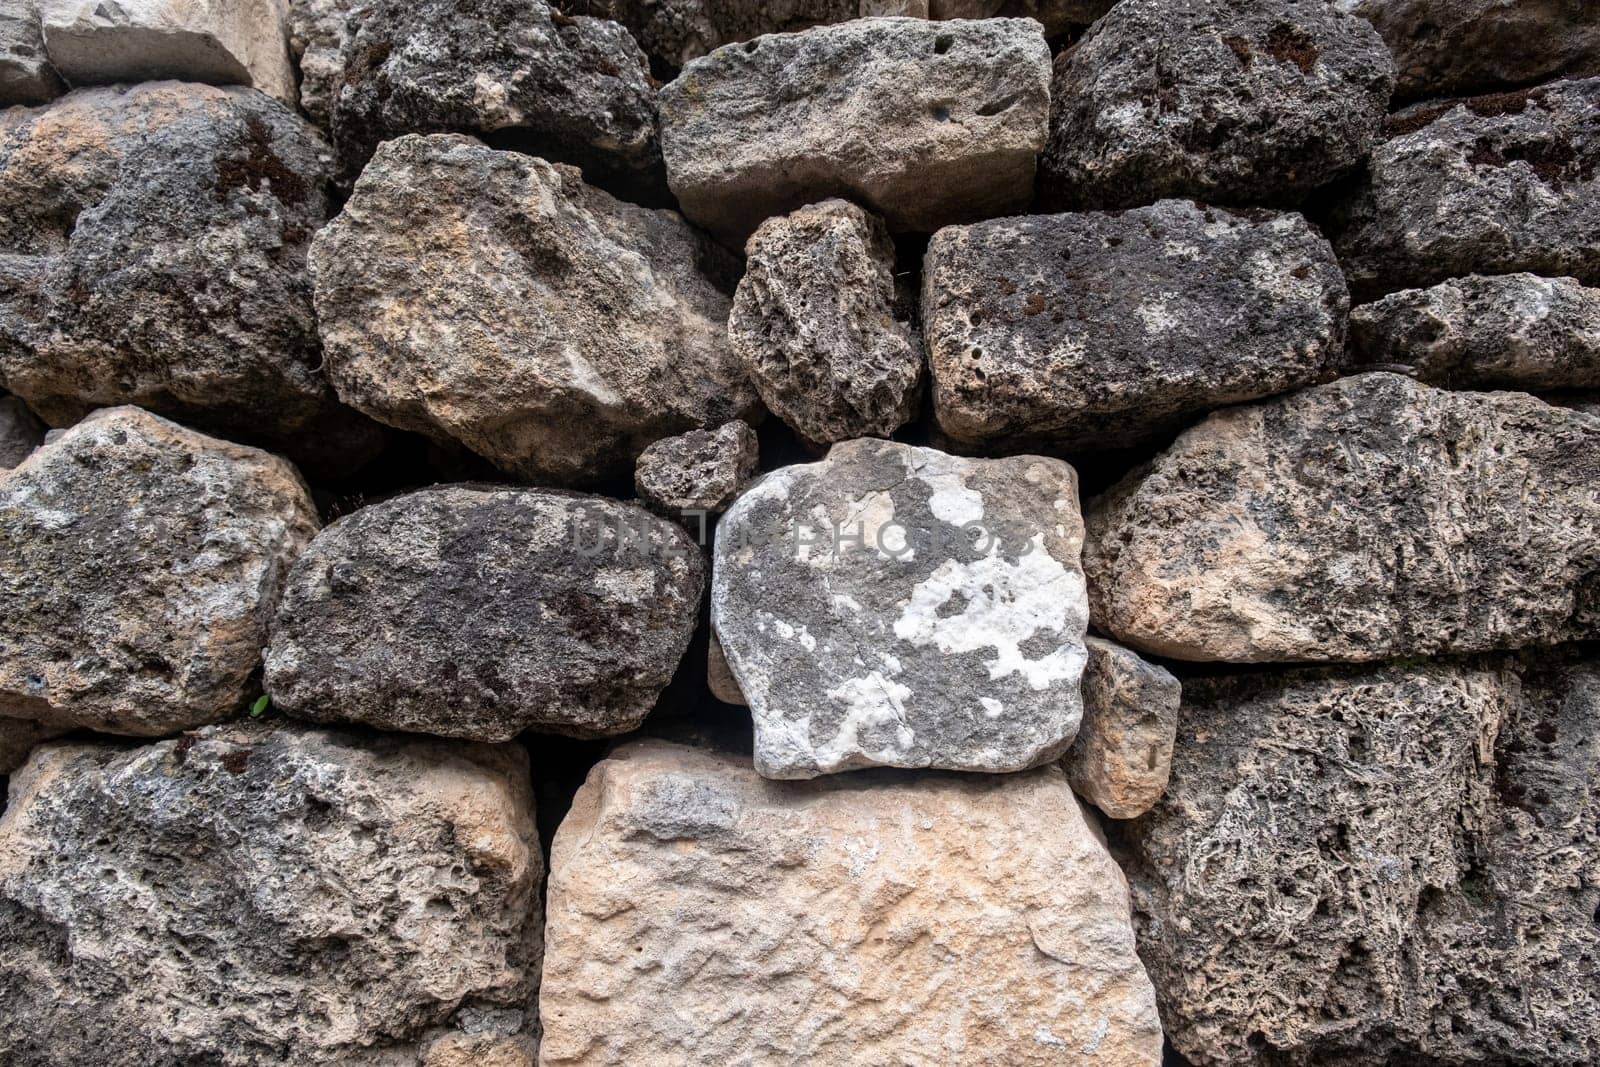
{"x":1122,"y":755}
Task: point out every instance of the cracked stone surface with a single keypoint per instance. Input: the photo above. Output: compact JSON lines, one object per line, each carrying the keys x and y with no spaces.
{"x":1122,"y":755}
{"x":702,"y":470}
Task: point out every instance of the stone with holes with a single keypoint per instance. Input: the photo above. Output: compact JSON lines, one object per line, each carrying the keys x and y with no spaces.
{"x":700,"y":471}
{"x":1122,"y":755}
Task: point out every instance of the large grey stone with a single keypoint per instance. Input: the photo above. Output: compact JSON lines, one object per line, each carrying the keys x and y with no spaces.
{"x":20,"y":432}
{"x":1369,"y":867}
{"x":896,"y":606}
{"x":246,"y":895}
{"x":1100,"y":330}
{"x":139,"y":565}
{"x":680,"y":30}
{"x":1367,"y":519}
{"x":1511,"y":331}
{"x":700,"y":471}
{"x":698,"y":913}
{"x":1240,"y":101}
{"x":480,"y":613}
{"x":495,"y":300}
{"x":153,"y":251}
{"x":814,"y":324}
{"x":26,"y":76}
{"x":1122,"y":755}
{"x":1490,"y":185}
{"x":926,"y":123}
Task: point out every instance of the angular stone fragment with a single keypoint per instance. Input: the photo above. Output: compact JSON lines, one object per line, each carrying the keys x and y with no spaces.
{"x":18,"y":738}
{"x":20,"y":432}
{"x":1123,"y":752}
{"x":896,"y":606}
{"x":1511,"y":331}
{"x":925,"y":123}
{"x":872,"y":919}
{"x":1101,"y":330}
{"x":26,"y":76}
{"x":1233,"y":100}
{"x":576,"y":90}
{"x":814,"y":325}
{"x":680,"y":30}
{"x":152,"y":251}
{"x":1379,"y":866}
{"x":1451,"y":47}
{"x":223,"y":42}
{"x":493,"y":299}
{"x":1370,"y":518}
{"x":139,"y":565}
{"x":481,"y":613}
{"x":318,"y":32}
{"x":1490,"y":185}
{"x":253,"y":895}
{"x":702,"y":470}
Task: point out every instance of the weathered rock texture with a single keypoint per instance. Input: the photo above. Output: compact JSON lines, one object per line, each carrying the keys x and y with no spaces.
{"x":318,"y":32}
{"x":1489,"y":185}
{"x":814,"y":325}
{"x":1372,"y":867}
{"x":247,"y":895}
{"x":20,"y":432}
{"x":139,"y":564}
{"x":224,"y":42}
{"x":496,"y":300}
{"x":896,"y":606}
{"x":925,"y":123}
{"x":481,"y":613}
{"x":719,"y":676}
{"x":1056,"y":15}
{"x":18,"y":738}
{"x":1099,"y":330}
{"x":26,"y":76}
{"x":576,"y":90}
{"x":702,"y":470}
{"x":1366,"y":519}
{"x":1451,"y":47}
{"x":1512,"y":331}
{"x":1123,"y":752}
{"x":1233,"y":100}
{"x":152,"y":251}
{"x":680,"y":30}
{"x":697,"y":912}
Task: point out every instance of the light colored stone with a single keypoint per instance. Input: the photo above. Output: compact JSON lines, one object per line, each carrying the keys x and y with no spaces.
{"x":496,"y":300}
{"x":1368,"y":519}
{"x":139,"y":565}
{"x":1123,"y":752}
{"x":698,"y":914}
{"x":26,"y":76}
{"x":719,"y":676}
{"x":20,"y":432}
{"x":247,"y":895}
{"x":701,"y":471}
{"x":896,"y":606}
{"x":223,"y":42}
{"x":925,"y":123}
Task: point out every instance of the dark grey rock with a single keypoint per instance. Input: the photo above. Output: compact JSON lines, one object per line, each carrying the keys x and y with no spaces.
{"x":18,"y":739}
{"x":1100,"y":330}
{"x":26,"y":76}
{"x":248,"y":895}
{"x":1369,"y":867}
{"x":1057,"y":16}
{"x":1122,"y":755}
{"x":1240,"y":101}
{"x":481,"y":613}
{"x":20,"y":432}
{"x":677,"y":31}
{"x":700,"y":471}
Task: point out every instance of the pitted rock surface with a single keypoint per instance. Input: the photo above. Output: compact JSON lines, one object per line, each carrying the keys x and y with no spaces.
{"x":480,"y":613}
{"x":1376,"y":866}
{"x":249,"y":895}
{"x":866,"y":919}
{"x":942,"y":628}
{"x":1237,"y":101}
{"x":1099,"y":330}
{"x":925,"y":123}
{"x":496,"y":300}
{"x":1122,"y":755}
{"x":20,"y":432}
{"x":26,"y":76}
{"x":700,"y":471}
{"x":139,"y":565}
{"x":1371,"y":518}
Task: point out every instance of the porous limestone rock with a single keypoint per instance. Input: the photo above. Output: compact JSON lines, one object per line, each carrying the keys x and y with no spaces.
{"x":814,"y":325}
{"x":1123,"y":752}
{"x":153,"y":251}
{"x":139,"y":565}
{"x":896,"y":606}
{"x":574,"y":90}
{"x":1376,"y":866}
{"x":1100,"y":330}
{"x":926,"y":123}
{"x":677,"y":31}
{"x":26,"y":76}
{"x":496,"y":300}
{"x":223,"y":42}
{"x":1490,"y":185}
{"x":1232,"y":100}
{"x":701,"y":471}
{"x":20,"y":432}
{"x":318,"y":32}
{"x":1510,"y":331}
{"x":1451,"y":47}
{"x":479,"y":613}
{"x":1370,"y":518}
{"x":249,"y":895}
{"x":697,"y":912}
{"x":18,"y":738}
